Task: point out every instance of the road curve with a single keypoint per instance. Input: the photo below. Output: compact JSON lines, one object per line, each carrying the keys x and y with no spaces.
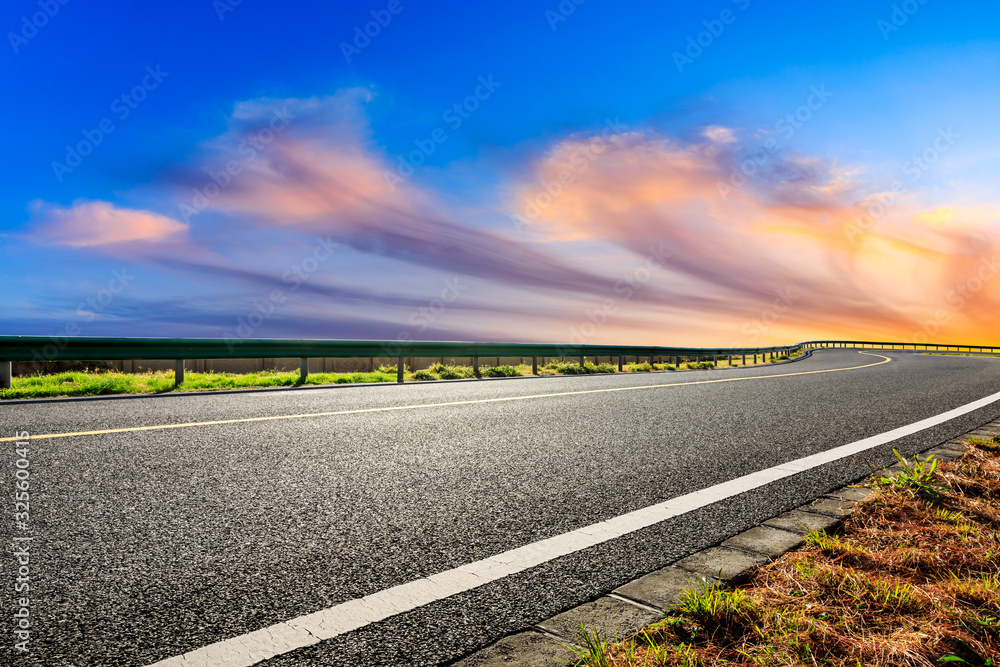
{"x":151,"y":542}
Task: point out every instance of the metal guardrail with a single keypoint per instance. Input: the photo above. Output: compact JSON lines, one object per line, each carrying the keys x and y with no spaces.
{"x":42,"y":349}
{"x":928,"y":347}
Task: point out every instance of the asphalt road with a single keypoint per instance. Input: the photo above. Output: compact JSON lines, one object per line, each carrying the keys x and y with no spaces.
{"x":151,"y":543}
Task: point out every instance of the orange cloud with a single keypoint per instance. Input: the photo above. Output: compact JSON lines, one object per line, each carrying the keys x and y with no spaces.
{"x":796,"y":223}
{"x":100,"y":223}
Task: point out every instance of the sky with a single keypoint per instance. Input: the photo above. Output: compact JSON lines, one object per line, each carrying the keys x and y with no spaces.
{"x":730,"y":173}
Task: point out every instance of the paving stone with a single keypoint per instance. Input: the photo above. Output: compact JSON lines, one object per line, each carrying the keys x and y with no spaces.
{"x":766,"y":540}
{"x":944,"y":455}
{"x":800,"y":522}
{"x":955,"y":447}
{"x":525,"y":649}
{"x":663,"y":588}
{"x":831,"y":507}
{"x":609,"y":617}
{"x":722,"y":562}
{"x":855,"y":493}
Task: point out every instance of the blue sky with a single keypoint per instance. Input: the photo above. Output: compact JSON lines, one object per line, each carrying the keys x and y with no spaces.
{"x":874,"y":85}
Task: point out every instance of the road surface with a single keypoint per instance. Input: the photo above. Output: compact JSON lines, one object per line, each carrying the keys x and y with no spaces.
{"x":151,"y":542}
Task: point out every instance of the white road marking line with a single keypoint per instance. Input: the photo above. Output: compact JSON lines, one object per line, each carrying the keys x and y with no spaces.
{"x":392,"y":408}
{"x":310,"y":629}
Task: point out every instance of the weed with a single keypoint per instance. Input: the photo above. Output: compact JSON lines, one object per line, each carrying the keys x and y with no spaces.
{"x":571,"y":368}
{"x":455,"y":372}
{"x":991,"y":445}
{"x":707,"y":602}
{"x":500,"y":371}
{"x":593,"y":651}
{"x":916,"y":478}
{"x":644,"y":367}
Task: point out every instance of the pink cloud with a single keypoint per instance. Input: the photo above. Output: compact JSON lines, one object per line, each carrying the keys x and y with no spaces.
{"x":100,"y":223}
{"x":322,"y":175}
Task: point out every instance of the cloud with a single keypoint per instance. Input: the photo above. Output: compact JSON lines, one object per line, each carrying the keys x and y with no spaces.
{"x":753,"y":247}
{"x":99,"y":223}
{"x":719,"y":134}
{"x":796,"y":222}
{"x":322,"y":175}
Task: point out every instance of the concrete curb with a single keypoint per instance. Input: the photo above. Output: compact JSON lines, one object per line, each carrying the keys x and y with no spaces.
{"x":639,"y":603}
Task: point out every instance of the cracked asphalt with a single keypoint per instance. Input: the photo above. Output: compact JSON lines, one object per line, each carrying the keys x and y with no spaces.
{"x":148,"y":544}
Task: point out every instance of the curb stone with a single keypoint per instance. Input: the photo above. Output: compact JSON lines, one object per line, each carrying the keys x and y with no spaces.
{"x":634,"y":605}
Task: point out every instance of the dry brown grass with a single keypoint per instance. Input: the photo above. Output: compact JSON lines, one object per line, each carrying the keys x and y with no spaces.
{"x":910,"y":581}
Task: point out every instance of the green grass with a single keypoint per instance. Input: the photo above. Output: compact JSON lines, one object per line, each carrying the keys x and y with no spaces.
{"x":78,"y":383}
{"x":104,"y":383}
{"x":574,"y":368}
{"x":916,"y":479}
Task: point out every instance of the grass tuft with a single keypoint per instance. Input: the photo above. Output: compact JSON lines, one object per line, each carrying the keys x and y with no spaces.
{"x":916,"y":478}
{"x":501,"y":371}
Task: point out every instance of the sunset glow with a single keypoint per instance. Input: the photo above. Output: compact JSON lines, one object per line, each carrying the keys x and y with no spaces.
{"x":832,"y":183}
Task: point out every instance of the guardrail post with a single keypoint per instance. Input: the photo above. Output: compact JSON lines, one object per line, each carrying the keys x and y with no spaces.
{"x":178,"y":372}
{"x":581,"y":361}
{"x":5,"y":374}
{"x":475,"y":366}
{"x":754,"y":358}
{"x":620,"y":368}
{"x":534,"y":365}
{"x":303,"y":368}
{"x":744,"y":360}
{"x":399,"y":369}
{"x":650,"y":360}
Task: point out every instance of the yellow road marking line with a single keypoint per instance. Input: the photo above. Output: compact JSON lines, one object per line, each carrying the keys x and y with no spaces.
{"x":246,"y":420}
